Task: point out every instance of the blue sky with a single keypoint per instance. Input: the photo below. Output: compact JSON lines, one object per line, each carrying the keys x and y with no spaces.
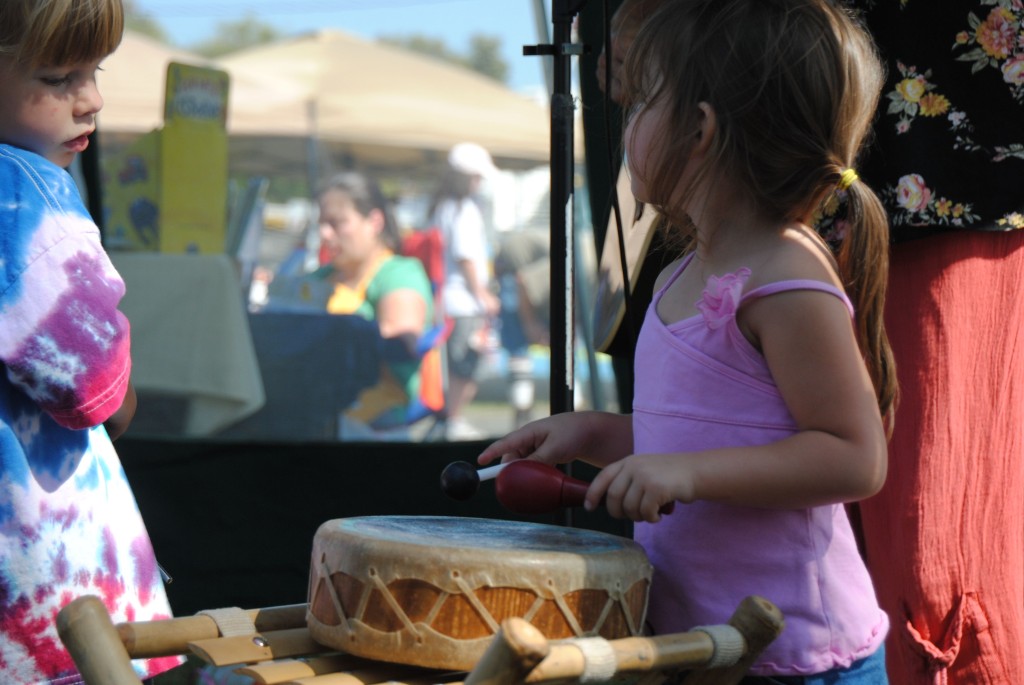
{"x":188,"y":22}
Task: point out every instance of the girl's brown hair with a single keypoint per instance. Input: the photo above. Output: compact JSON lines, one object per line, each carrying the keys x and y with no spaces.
{"x":38,"y":33}
{"x":794,"y":85}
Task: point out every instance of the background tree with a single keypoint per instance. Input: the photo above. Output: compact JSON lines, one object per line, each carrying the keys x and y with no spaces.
{"x":140,"y":22}
{"x":484,"y":54}
{"x":231,"y":36}
{"x":485,"y":57}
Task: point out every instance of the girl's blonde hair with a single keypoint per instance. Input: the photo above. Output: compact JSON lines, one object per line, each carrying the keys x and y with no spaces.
{"x":37,"y":33}
{"x":794,"y":85}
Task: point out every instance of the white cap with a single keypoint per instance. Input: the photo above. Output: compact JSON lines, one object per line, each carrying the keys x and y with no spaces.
{"x":470,"y":158}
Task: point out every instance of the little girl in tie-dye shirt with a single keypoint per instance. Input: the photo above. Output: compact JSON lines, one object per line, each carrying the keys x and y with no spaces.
{"x":69,"y":524}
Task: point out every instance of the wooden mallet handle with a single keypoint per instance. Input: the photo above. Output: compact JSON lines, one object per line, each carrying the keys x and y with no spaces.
{"x":533,"y":487}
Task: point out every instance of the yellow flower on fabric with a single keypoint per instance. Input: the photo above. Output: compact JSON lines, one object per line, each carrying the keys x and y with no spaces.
{"x":958,"y":210}
{"x":963,"y":38}
{"x":1015,"y":220}
{"x":996,"y":34}
{"x":911,"y":89}
{"x":943,"y":206}
{"x":933,"y":105}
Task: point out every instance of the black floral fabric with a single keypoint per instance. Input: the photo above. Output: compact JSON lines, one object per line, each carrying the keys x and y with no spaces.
{"x":948,"y":145}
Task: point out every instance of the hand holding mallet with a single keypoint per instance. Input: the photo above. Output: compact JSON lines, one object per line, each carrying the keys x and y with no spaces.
{"x":523,"y":487}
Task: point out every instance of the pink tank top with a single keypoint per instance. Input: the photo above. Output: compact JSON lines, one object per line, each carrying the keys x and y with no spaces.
{"x":701,"y":385}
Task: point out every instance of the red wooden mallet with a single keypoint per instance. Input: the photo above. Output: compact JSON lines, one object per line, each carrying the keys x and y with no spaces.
{"x":523,"y":486}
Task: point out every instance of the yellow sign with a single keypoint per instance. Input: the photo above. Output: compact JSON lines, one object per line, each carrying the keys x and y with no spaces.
{"x":194,"y":160}
{"x":168,"y":190}
{"x":196,"y":94}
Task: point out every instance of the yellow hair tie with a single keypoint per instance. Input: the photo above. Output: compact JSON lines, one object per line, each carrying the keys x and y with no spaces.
{"x":847,"y":178}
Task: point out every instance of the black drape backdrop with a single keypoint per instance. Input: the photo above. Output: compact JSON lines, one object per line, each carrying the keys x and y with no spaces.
{"x":233,"y":523}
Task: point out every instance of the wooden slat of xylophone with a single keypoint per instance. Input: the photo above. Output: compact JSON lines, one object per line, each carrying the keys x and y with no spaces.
{"x":632,"y":655}
{"x":356,"y":671}
{"x":521,"y":654}
{"x":284,"y":670}
{"x":382,"y":674}
{"x":247,"y":649}
{"x":144,"y":639}
{"x":760,"y":622}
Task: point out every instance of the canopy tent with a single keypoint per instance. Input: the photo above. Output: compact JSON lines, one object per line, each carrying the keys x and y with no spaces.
{"x":326,"y":98}
{"x":364,"y":93}
{"x":132,"y":84}
{"x":133,"y":81}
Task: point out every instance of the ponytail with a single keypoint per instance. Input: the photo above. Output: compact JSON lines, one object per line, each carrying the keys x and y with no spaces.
{"x":864,"y":268}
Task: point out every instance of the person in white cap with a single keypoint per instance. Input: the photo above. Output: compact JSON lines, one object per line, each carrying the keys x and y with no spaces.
{"x":466,"y":296}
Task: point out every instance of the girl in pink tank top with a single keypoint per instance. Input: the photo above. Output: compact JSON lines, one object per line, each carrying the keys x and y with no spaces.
{"x":763,"y":373}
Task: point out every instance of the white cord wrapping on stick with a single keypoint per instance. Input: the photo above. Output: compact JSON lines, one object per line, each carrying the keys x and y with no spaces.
{"x":231,"y":621}
{"x":729,"y":644}
{"x":599,"y":662}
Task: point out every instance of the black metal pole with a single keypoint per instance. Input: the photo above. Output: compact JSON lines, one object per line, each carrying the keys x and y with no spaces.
{"x":563,"y":334}
{"x":562,"y":239}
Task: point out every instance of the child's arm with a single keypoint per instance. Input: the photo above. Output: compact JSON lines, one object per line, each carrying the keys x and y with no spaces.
{"x":837,"y":455}
{"x":64,"y":342}
{"x":597,"y":438}
{"x":119,"y":421}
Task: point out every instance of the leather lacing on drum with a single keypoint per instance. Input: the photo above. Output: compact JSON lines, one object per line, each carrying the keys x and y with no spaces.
{"x":474,"y":601}
{"x":382,"y":587}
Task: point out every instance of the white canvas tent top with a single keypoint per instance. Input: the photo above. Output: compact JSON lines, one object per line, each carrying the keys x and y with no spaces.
{"x":362,"y":92}
{"x":335,"y":92}
{"x":132,"y":84}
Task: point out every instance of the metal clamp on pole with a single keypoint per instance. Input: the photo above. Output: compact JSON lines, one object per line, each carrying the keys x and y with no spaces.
{"x":565,"y":50}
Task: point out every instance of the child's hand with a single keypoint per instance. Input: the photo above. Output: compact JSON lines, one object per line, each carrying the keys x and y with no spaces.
{"x":547,"y":440}
{"x":118,"y":422}
{"x":638,"y":486}
{"x":595,"y":437}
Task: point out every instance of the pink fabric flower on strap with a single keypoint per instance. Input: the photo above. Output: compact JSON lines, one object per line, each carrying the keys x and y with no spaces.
{"x":721,"y":297}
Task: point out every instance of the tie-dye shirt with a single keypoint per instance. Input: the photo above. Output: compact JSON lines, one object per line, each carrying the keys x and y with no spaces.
{"x":69,"y":524}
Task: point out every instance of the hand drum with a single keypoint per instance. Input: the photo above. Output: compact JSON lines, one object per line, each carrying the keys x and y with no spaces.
{"x":433,"y":591}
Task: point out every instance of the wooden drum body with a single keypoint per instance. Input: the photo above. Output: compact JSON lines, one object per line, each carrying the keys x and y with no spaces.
{"x":433,"y":591}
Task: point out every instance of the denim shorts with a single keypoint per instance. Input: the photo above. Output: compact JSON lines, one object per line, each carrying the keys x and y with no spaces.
{"x":868,"y":671}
